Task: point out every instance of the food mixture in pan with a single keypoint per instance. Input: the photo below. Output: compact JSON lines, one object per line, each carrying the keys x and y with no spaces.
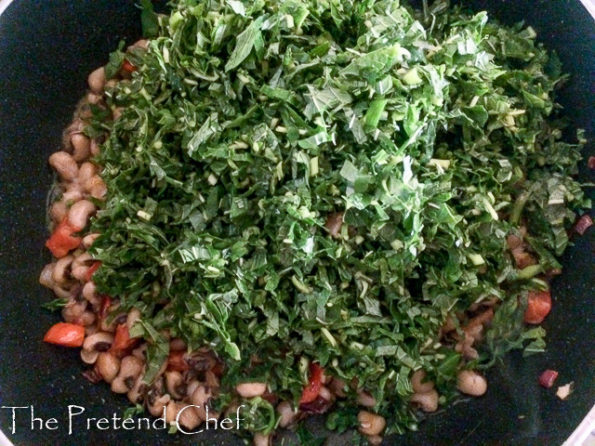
{"x":349,"y":208}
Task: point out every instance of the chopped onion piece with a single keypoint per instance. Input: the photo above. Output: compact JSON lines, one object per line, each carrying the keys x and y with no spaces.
{"x":548,"y":378}
{"x":565,"y":390}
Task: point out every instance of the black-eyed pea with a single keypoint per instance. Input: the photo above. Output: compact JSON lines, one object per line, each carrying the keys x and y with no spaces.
{"x":370,"y":423}
{"x":65,"y":165}
{"x":108,"y":366}
{"x":96,"y":80}
{"x":471,"y":383}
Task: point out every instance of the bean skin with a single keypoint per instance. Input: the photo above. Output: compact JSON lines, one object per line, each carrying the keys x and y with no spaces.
{"x":261,"y":439}
{"x":471,"y":383}
{"x":46,"y":277}
{"x":97,"y":339}
{"x":65,"y":165}
{"x":251,"y":390}
{"x":427,"y":401}
{"x":61,"y":271}
{"x":370,"y":423}
{"x":97,"y":80}
{"x":108,"y":366}
{"x":418,"y":383}
{"x":58,"y":211}
{"x":96,"y":187}
{"x":86,"y":171}
{"x":80,"y":212}
{"x":365,"y":399}
{"x":81,"y":147}
{"x":287,"y":414}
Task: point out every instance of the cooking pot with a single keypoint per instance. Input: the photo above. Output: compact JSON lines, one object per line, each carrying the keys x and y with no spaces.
{"x":47,"y":48}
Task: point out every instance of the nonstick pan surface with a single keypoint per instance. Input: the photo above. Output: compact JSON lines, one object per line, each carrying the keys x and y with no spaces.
{"x":47,"y":48}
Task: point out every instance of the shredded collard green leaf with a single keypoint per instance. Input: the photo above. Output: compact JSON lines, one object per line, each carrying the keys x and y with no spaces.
{"x":249,"y":123}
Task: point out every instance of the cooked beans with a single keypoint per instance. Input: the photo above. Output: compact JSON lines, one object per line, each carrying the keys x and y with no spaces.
{"x":338,"y":387}
{"x":61,"y":271}
{"x":58,"y":211}
{"x":80,"y":266}
{"x":108,"y":366}
{"x":176,"y":344}
{"x":171,"y":411}
{"x":427,"y":401}
{"x":65,"y":165}
{"x":471,"y":383}
{"x":80,"y":212}
{"x":86,"y":171}
{"x":287,"y":414}
{"x":93,"y":98}
{"x":418,"y":383}
{"x":333,"y":224}
{"x":73,"y":310}
{"x":81,"y":147}
{"x":142,"y":43}
{"x":156,"y":409}
{"x":370,"y":423}
{"x":365,"y":399}
{"x":130,"y":368}
{"x":200,"y":397}
{"x":46,"y":277}
{"x":89,"y":239}
{"x":133,"y":316}
{"x":136,"y":393}
{"x":261,"y":439}
{"x":96,"y":80}
{"x":374,"y":440}
{"x":89,"y":293}
{"x":174,"y":383}
{"x":100,"y":341}
{"x":96,"y":187}
{"x":211,"y":379}
{"x":73,"y":193}
{"x":188,"y":417}
{"x":251,"y":390}
{"x":61,"y":292}
{"x":89,"y":357}
{"x":95,"y":150}
{"x":86,"y":319}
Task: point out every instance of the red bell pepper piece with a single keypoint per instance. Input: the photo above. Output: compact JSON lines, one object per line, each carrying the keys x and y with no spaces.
{"x":547,"y":378}
{"x":128,"y":67}
{"x":94,"y":267}
{"x":61,"y":242}
{"x":65,"y":334}
{"x":539,"y":304}
{"x":177,"y":362}
{"x":123,"y":343}
{"x":311,"y":391}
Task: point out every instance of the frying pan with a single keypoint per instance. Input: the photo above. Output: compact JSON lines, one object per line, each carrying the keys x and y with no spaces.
{"x":46,"y":50}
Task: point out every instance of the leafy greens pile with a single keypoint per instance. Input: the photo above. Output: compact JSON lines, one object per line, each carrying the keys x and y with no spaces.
{"x":248,"y":124}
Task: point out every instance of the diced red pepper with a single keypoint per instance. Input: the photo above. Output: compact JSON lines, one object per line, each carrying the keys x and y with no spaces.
{"x":104,"y":310}
{"x":65,"y":334}
{"x":548,"y":378}
{"x":128,"y":67}
{"x":539,"y":304}
{"x":583,"y":223}
{"x":312,"y":390}
{"x":591,"y":162}
{"x":61,"y":242}
{"x":123,"y":343}
{"x":94,"y":267}
{"x":177,"y":362}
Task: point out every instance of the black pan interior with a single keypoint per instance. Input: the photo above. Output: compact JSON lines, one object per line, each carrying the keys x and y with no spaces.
{"x":46,"y":50}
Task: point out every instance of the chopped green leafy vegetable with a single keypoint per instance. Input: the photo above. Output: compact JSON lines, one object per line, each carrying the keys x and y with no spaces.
{"x":248,"y":127}
{"x":55,"y":304}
